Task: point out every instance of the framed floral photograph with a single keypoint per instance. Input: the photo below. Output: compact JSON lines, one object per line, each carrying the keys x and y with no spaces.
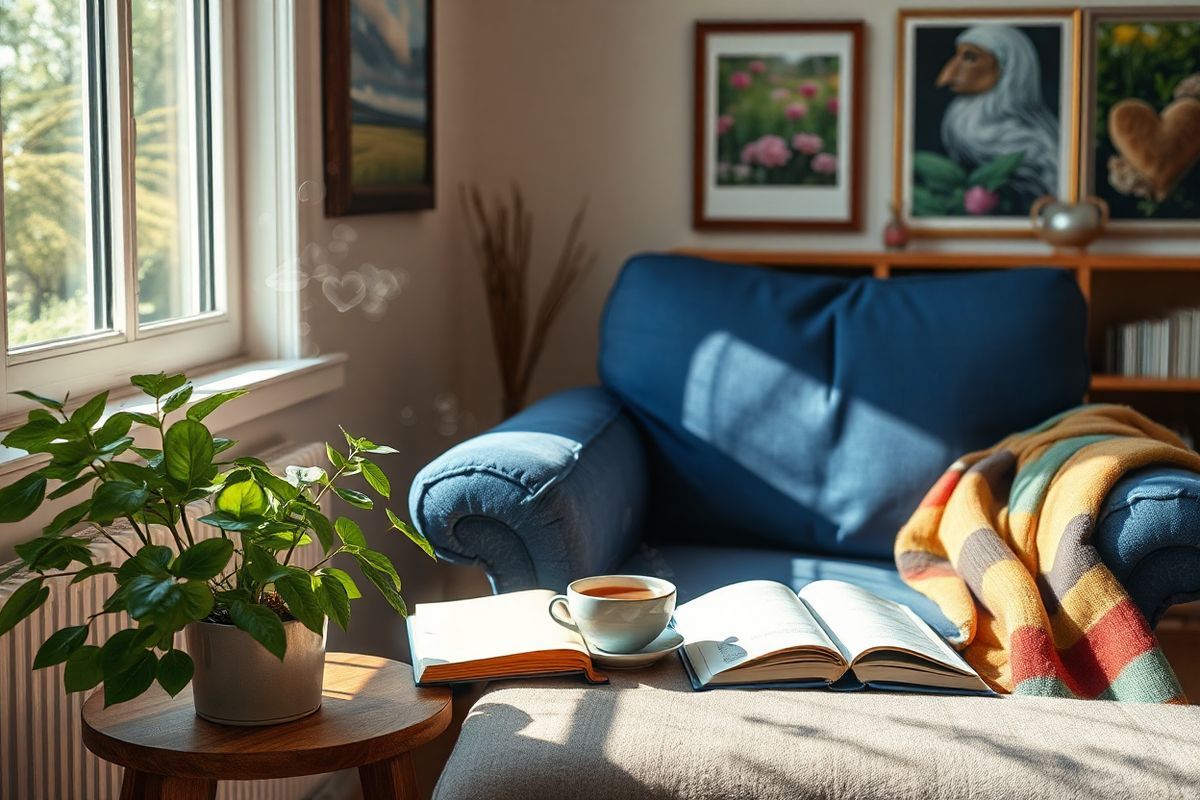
{"x":377,"y":75}
{"x":778,"y":126}
{"x":1141,"y":139}
{"x":986,"y":117}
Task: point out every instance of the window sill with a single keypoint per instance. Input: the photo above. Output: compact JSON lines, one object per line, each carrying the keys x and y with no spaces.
{"x":273,"y":386}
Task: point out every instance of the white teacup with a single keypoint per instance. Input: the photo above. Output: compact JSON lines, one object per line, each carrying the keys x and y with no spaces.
{"x":617,"y":613}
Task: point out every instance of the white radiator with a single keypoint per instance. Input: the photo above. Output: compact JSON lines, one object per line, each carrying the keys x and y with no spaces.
{"x":42,"y":756}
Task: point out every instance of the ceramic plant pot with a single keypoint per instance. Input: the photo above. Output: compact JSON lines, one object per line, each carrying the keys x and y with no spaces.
{"x":238,"y":682}
{"x":1068,"y":224}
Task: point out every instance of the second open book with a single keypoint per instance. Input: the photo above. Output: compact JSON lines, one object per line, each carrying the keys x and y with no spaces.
{"x":831,"y":633}
{"x":747,"y":634}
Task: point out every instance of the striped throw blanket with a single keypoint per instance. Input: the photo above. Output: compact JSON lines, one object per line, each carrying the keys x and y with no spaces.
{"x":1002,"y":543}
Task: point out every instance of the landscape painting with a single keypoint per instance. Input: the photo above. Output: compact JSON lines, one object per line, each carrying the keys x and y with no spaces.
{"x":379,"y":105}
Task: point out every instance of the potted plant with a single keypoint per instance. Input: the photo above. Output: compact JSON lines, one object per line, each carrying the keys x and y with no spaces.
{"x":255,"y":622}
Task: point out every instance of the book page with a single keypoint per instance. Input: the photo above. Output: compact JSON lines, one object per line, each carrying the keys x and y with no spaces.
{"x":864,"y":622}
{"x":737,"y":624}
{"x":488,"y":627}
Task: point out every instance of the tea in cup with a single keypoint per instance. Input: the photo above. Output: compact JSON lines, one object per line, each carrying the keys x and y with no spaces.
{"x":616,"y":613}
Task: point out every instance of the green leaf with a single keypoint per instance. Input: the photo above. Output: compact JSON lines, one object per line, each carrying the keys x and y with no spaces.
{"x":228,"y":597}
{"x":113,"y":499}
{"x":90,"y":412}
{"x":188,"y":451}
{"x":151,"y":559}
{"x":54,"y":552}
{"x":321,"y":527}
{"x":344,"y":579}
{"x":375,"y":477}
{"x":175,"y":671}
{"x":262,"y":566}
{"x":284,"y":540}
{"x":928,"y":204}
{"x":356,"y":499}
{"x":303,"y":476}
{"x":23,"y":602}
{"x":60,"y":645}
{"x":262,"y":624}
{"x":70,"y":486}
{"x":221,"y":444}
{"x":146,"y":593}
{"x":158,"y":385}
{"x":335,"y":458}
{"x":83,"y":669}
{"x":20,"y":499}
{"x":938,"y":172}
{"x":68,"y":518}
{"x":92,"y":571}
{"x":122,"y":649}
{"x":177,"y":399}
{"x":116,"y":447}
{"x":131,"y":682}
{"x":378,"y":570}
{"x":148,"y":420}
{"x":167,"y":604}
{"x":277,"y":486}
{"x":203,"y":560}
{"x":37,"y":398}
{"x":297,"y":591}
{"x":114,"y":428}
{"x":228,"y":522}
{"x":242,"y":500}
{"x":210,"y":404}
{"x":996,"y":173}
{"x":412,"y":533}
{"x":33,"y":436}
{"x":136,"y":473}
{"x":334,"y":600}
{"x":379,"y":449}
{"x":349,"y":532}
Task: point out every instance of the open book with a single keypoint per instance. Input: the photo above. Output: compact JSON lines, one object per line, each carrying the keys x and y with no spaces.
{"x":832,"y":633}
{"x":501,"y":636}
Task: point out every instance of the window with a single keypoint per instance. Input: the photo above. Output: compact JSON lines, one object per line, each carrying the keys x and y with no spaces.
{"x":115,"y":258}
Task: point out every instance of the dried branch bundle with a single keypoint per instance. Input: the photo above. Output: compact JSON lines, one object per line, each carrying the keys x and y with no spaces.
{"x":501,"y":238}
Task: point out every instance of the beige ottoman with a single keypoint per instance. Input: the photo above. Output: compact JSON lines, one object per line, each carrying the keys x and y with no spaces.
{"x":648,"y":735}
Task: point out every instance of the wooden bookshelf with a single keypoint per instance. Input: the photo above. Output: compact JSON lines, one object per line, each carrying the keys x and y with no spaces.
{"x":1118,"y":286}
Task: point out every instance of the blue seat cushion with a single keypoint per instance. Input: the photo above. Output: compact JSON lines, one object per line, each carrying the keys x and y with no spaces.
{"x":698,"y":569}
{"x":1148,"y":533}
{"x":812,"y":412}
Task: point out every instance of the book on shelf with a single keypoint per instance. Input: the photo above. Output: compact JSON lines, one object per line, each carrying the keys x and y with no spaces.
{"x":1168,"y":347}
{"x":830,"y":634}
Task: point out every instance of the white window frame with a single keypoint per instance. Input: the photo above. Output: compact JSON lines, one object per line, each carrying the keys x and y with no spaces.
{"x":106,"y":359}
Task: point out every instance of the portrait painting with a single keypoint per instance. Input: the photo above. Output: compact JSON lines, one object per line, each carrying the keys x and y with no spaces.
{"x":777,"y":125}
{"x":1142,"y":117}
{"x":378,"y":77}
{"x":986,"y":120}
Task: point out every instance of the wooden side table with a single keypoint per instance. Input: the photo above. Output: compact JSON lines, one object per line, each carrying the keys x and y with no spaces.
{"x":370,"y":718}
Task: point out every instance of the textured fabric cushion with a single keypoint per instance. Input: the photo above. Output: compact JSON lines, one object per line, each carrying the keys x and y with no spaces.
{"x":649,"y":736}
{"x":696,"y":569}
{"x":554,"y":493}
{"x":1148,"y":534}
{"x":812,"y":412}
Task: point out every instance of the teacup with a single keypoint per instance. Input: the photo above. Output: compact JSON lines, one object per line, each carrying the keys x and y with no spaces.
{"x":617,"y":613}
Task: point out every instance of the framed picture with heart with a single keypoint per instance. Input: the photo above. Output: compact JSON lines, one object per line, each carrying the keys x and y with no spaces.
{"x":1142,"y":117}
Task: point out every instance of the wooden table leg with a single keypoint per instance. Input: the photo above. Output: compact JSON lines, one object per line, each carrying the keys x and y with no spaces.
{"x":137,"y":785}
{"x":391,"y":779}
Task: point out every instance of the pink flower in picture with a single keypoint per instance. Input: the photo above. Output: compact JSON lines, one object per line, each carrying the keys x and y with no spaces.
{"x":772,"y":151}
{"x":724,"y":124}
{"x":808,"y":89}
{"x":780,"y":94}
{"x":807,"y":143}
{"x":796,"y":111}
{"x":825,"y":163}
{"x":980,"y":201}
{"x":750,"y":153}
{"x":740,"y":80}
{"x":758,"y":67}
{"x":833,"y":105}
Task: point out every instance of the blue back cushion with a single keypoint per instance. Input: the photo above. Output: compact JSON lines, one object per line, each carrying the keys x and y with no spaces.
{"x":812,"y":411}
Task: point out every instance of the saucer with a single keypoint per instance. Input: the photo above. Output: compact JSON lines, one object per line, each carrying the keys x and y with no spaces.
{"x":667,"y":642}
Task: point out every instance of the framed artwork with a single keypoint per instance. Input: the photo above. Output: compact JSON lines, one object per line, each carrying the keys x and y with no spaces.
{"x":986,"y":117}
{"x":778,"y":126}
{"x":1141,"y":140}
{"x":377,"y":75}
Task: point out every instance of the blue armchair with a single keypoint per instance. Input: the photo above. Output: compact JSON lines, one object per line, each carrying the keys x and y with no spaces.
{"x":756,"y":423}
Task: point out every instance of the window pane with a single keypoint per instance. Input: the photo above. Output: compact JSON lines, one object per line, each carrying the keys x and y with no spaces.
{"x":171,"y":179}
{"x":53,"y":290}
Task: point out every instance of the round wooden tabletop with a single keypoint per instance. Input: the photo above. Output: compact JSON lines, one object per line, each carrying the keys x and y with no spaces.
{"x":370,"y":712}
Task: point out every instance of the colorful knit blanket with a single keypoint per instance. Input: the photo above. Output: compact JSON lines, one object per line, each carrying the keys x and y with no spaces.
{"x":1002,"y":543}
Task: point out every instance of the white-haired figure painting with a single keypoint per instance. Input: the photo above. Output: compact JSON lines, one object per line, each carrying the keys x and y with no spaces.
{"x":986,"y":120}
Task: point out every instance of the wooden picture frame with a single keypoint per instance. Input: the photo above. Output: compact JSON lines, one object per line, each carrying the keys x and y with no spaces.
{"x":1136,"y":207}
{"x":378,"y":120}
{"x":778,"y":119}
{"x":943,"y":201}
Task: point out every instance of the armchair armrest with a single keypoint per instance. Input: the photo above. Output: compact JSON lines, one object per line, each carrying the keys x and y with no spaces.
{"x":556,"y":492}
{"x":1148,"y":534}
